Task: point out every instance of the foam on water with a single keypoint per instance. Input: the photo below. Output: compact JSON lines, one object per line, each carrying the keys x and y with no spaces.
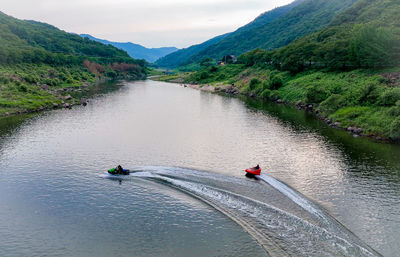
{"x":280,"y":232}
{"x":294,"y":196}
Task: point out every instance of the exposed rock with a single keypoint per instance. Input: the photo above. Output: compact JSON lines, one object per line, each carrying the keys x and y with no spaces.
{"x":299,"y":103}
{"x":232,"y":89}
{"x":355,"y":135}
{"x":392,"y":77}
{"x":350,"y":129}
{"x":68,"y":97}
{"x":55,"y":105}
{"x":336,"y":124}
{"x":279,"y":101}
{"x":7,"y":113}
{"x":67,"y":106}
{"x":358,"y":131}
{"x":44,"y":87}
{"x":83,"y":101}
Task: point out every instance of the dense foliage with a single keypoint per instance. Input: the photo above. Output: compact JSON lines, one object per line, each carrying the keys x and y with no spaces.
{"x":351,"y":41}
{"x":35,"y":42}
{"x":347,"y":72}
{"x":40,"y":63}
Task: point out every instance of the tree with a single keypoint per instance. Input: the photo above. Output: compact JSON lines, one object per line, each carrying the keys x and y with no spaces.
{"x":206,"y":62}
{"x":372,"y":46}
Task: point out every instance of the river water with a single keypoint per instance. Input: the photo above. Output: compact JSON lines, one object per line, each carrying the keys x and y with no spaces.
{"x":322,"y":192}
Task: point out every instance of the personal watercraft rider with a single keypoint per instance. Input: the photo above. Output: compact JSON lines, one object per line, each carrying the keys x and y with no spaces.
{"x":119,"y":169}
{"x":257,"y":167}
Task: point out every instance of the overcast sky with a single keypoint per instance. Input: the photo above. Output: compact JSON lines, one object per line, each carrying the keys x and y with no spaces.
{"x":152,"y":23}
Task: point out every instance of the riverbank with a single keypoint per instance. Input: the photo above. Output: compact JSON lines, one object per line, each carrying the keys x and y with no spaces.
{"x":363,"y":102}
{"x":27,"y":88}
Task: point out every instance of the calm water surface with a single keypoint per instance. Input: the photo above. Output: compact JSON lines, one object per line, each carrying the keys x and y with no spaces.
{"x":323,"y":193}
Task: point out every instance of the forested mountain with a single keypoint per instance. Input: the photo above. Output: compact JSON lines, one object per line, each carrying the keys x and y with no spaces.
{"x":181,"y":57}
{"x":273,"y":29}
{"x":365,"y":35}
{"x":40,"y":64}
{"x":347,"y":73}
{"x":31,"y":41}
{"x":137,"y":51}
{"x":186,"y":56}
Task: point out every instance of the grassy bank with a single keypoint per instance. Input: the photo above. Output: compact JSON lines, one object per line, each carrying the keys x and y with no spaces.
{"x":364,"y":102}
{"x":27,"y":88}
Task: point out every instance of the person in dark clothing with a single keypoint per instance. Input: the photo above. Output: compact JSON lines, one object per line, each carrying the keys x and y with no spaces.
{"x":257,"y":167}
{"x":119,"y":169}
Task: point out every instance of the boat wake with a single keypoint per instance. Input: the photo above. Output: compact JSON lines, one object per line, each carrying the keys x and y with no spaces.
{"x":284,"y":222}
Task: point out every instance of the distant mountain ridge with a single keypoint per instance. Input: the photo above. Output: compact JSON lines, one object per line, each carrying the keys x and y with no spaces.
{"x":270,"y":30}
{"x":135,"y":50}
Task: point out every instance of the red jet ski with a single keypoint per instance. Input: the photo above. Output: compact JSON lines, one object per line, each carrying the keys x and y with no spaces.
{"x":251,"y":172}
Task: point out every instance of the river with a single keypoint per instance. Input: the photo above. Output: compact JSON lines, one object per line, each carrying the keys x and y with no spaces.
{"x":322,"y":192}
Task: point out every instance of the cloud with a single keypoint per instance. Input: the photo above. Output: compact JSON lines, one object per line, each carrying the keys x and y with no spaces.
{"x":153,"y":23}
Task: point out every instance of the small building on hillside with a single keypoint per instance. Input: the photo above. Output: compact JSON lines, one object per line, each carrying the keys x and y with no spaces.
{"x":228,"y":59}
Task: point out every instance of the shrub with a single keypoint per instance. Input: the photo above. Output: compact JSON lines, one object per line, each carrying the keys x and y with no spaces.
{"x":266,"y":84}
{"x":265,"y":94}
{"x":276,"y":82}
{"x":390,"y":97}
{"x":274,"y":95}
{"x":316,"y":94}
{"x":332,"y":104}
{"x":395,"y":110}
{"x":204,"y":75}
{"x":221,"y":77}
{"x":31,"y":79}
{"x":253,"y":83}
{"x":4,"y":80}
{"x":395,"y":129}
{"x":111,"y":74}
{"x":22,"y":88}
{"x":213,"y":69}
{"x":369,"y":94}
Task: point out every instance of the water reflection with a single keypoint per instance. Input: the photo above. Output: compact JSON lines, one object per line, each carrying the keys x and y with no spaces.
{"x":153,"y":123}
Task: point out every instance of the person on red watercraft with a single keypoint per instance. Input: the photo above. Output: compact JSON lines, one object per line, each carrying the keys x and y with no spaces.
{"x":257,"y":167}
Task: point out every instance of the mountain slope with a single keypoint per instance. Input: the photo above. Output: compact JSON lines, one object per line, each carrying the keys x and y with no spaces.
{"x":135,"y":50}
{"x":181,"y":57}
{"x":40,"y":66}
{"x":364,"y":35}
{"x":290,"y":22}
{"x":347,"y":73}
{"x":184,"y":56}
{"x":31,"y":41}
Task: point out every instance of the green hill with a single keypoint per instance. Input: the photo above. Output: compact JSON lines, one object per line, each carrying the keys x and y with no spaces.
{"x":271,"y":30}
{"x":39,"y":64}
{"x":348,"y":73}
{"x":181,"y":57}
{"x":31,"y":41}
{"x":365,"y":35}
{"x":185,"y":56}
